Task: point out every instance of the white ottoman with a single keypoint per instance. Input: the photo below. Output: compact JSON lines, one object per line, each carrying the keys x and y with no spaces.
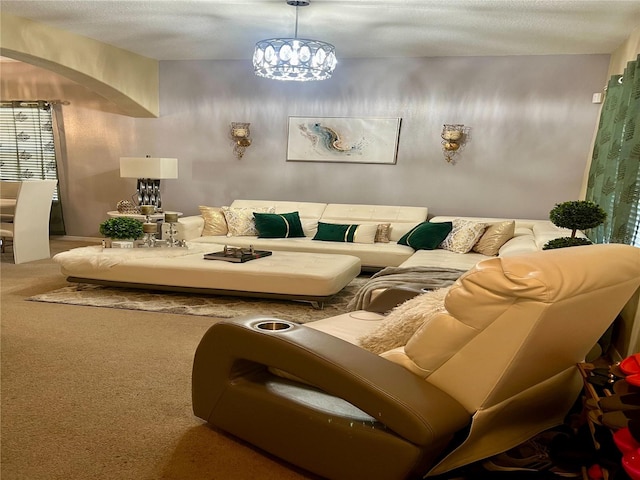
{"x":291,"y":275}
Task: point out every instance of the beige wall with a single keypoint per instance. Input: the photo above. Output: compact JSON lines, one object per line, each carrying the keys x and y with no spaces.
{"x":128,"y":80}
{"x":626,"y":52}
{"x":519,"y":160}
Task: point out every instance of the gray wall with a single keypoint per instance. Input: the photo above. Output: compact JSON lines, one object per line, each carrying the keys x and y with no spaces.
{"x":531,"y":121}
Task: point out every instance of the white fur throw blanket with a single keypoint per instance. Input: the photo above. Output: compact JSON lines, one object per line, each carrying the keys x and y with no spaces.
{"x":403,"y":321}
{"x":88,"y":259}
{"x":427,"y":277}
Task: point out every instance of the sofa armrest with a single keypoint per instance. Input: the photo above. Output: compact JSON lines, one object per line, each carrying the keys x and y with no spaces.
{"x":188,"y":228}
{"x":234,"y":349}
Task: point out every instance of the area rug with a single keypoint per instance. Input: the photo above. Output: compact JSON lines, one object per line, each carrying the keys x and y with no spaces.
{"x":197,"y":304}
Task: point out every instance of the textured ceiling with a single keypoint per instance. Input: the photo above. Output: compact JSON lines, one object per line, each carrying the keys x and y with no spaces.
{"x":225,"y":29}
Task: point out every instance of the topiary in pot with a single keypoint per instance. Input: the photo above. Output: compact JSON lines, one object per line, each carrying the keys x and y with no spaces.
{"x":122,"y":228}
{"x":574,"y":215}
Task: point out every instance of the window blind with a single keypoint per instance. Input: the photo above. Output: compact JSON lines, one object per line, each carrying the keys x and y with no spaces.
{"x":27,"y":148}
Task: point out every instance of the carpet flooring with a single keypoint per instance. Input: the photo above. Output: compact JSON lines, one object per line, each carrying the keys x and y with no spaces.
{"x":204,"y":305}
{"x":93,"y":393}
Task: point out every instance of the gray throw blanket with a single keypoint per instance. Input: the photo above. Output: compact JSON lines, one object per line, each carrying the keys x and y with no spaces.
{"x":426,"y":277}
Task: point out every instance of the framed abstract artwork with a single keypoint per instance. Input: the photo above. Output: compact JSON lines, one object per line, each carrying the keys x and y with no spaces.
{"x":343,"y":139}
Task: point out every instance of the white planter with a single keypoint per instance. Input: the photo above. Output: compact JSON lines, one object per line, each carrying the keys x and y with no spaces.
{"x":121,"y":243}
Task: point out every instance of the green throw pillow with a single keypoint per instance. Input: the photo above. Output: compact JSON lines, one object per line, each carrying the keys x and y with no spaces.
{"x":278,"y":225}
{"x":334,"y":232}
{"x":426,"y":236}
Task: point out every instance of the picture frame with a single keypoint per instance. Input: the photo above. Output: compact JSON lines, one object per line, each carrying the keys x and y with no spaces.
{"x":343,"y":139}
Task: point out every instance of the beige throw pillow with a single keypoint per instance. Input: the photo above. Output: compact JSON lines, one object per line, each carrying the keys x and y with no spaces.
{"x":463,"y":236}
{"x":240,"y":220}
{"x":365,"y":234}
{"x":494,"y":237}
{"x":214,"y":221}
{"x":383,"y":232}
{"x":403,"y":321}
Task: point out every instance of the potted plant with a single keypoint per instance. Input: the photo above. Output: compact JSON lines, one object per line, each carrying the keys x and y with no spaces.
{"x":574,"y":215}
{"x":122,"y":229}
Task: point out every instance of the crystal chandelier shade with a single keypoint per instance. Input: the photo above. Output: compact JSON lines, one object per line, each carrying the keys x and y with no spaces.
{"x":294,"y":59}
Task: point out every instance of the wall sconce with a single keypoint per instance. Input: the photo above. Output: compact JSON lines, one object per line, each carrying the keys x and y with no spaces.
{"x":453,"y":138}
{"x":240,"y":134}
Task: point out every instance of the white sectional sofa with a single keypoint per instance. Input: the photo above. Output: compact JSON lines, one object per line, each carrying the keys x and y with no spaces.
{"x":529,"y":235}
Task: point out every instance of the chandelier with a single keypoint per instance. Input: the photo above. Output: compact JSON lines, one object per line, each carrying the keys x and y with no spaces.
{"x":294,"y":59}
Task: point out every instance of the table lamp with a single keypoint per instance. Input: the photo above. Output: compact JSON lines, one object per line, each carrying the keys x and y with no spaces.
{"x":149,"y":171}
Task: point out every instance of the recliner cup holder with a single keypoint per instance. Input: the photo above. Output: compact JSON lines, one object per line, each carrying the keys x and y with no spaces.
{"x":273,"y":326}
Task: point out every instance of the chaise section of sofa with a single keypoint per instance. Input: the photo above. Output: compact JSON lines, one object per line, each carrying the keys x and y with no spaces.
{"x":529,"y":236}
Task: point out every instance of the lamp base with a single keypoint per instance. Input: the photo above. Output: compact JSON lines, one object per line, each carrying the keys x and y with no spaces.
{"x":148,"y":192}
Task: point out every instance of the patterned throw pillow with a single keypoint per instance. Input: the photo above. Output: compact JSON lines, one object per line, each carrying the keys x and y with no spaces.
{"x":214,"y":221}
{"x":464,"y":235}
{"x":494,"y":237}
{"x":383,"y":232}
{"x":240,"y":220}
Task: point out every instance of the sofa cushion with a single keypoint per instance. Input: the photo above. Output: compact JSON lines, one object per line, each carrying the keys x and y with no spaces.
{"x":372,"y":255}
{"x":306,"y":210}
{"x":463,"y":236}
{"x":523,"y":241}
{"x":443,"y":259}
{"x":545,"y":231}
{"x":278,"y":225}
{"x":214,"y":221}
{"x":336,"y":232}
{"x":426,"y":235}
{"x":494,"y":237}
{"x":309,"y":227}
{"x":402,"y":322}
{"x":240,"y":220}
{"x":382,"y":233}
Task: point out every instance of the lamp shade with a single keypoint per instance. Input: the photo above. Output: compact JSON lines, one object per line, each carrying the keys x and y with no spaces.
{"x":148,"y":167}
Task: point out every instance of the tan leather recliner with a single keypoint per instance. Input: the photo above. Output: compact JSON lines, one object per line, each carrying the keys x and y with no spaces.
{"x":495,"y":369}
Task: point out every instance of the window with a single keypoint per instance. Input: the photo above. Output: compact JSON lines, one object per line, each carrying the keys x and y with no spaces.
{"x":27,"y":148}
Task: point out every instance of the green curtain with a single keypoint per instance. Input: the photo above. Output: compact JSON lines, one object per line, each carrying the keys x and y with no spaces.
{"x":613,"y":176}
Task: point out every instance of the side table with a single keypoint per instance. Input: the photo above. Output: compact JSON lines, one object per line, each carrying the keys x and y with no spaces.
{"x":138,"y":216}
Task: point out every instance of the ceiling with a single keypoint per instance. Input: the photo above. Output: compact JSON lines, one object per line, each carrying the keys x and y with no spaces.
{"x":228,"y":29}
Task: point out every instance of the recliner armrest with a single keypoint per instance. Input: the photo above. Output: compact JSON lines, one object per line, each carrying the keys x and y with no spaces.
{"x":405,"y":403}
{"x":393,"y":296}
